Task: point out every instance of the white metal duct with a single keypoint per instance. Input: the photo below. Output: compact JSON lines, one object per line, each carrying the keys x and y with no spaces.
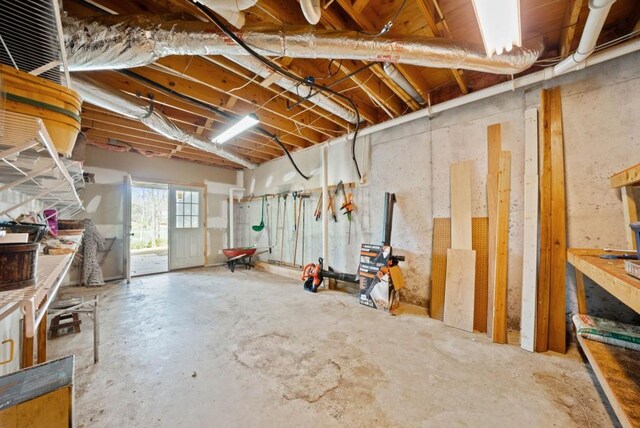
{"x":130,"y":106}
{"x":110,"y":42}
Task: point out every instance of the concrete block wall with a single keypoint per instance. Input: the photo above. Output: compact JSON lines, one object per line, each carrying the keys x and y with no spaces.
{"x":600,"y":111}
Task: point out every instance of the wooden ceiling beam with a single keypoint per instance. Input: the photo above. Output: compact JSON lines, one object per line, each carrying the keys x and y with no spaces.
{"x":366,"y":24}
{"x":307,"y":67}
{"x":209,"y":95}
{"x":133,"y":86}
{"x":151,"y":144}
{"x":366,"y":111}
{"x":123,"y":128}
{"x":208,"y":73}
{"x":97,"y":114}
{"x":429,"y":9}
{"x":99,"y":142}
{"x":569,"y":24}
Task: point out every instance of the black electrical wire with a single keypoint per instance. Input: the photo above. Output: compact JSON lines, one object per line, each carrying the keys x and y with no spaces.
{"x":275,"y":67}
{"x":213,"y":109}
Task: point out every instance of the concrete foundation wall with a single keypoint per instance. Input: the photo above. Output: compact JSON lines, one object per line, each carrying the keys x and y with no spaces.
{"x":600,"y":111}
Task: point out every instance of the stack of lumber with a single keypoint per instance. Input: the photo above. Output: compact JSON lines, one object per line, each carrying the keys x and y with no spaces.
{"x":469,"y":274}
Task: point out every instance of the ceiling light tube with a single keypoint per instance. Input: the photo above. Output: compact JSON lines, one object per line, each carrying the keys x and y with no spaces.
{"x":499,"y":22}
{"x":245,"y":123}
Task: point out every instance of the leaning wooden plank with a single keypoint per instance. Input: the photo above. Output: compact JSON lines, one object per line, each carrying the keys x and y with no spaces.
{"x":499,"y":324}
{"x":530,"y":238}
{"x":627,"y":177}
{"x":542,"y":310}
{"x":461,"y":205}
{"x":494,"y":146}
{"x":460,"y":289}
{"x":441,"y":242}
{"x":557,"y":284}
{"x":480,"y":230}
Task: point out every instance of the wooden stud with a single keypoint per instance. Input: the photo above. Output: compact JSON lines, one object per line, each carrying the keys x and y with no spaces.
{"x":557,"y":285}
{"x":569,"y":26}
{"x":42,"y":339}
{"x":460,"y":289}
{"x":627,"y":177}
{"x":581,"y":293}
{"x":499,"y":324}
{"x":27,"y":348}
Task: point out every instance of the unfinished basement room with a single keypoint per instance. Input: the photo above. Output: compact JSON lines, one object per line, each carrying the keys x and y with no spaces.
{"x":318,"y":213}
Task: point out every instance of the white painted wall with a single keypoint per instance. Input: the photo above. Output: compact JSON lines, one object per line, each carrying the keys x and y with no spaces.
{"x":103,"y":199}
{"x":601,"y":129}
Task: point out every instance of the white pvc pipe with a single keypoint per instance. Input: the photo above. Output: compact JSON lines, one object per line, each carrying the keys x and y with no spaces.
{"x":598,"y":12}
{"x":231,"y":225}
{"x":311,"y":10}
{"x":324,"y":205}
{"x":234,"y":5}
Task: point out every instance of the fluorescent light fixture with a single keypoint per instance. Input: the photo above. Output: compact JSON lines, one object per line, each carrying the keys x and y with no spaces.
{"x":499,"y":22}
{"x":245,"y":123}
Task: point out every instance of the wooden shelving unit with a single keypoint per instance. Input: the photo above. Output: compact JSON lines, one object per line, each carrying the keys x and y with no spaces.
{"x":616,"y":368}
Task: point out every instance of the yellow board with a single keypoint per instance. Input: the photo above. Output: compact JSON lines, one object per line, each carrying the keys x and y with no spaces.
{"x":396,"y":277}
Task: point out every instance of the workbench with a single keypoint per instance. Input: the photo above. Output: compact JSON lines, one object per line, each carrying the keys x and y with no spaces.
{"x":34,"y":301}
{"x":617,"y":369}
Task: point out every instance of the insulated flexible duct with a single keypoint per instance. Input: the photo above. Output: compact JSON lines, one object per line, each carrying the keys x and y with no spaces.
{"x":112,"y":42}
{"x":130,"y":106}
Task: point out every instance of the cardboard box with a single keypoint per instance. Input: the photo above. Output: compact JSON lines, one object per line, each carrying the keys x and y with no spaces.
{"x":376,"y":283}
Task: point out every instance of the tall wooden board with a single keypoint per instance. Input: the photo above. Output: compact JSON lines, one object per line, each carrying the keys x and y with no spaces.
{"x":461,"y":205}
{"x":502,"y":251}
{"x":494,"y":146}
{"x":530,"y":245}
{"x":542,"y":307}
{"x":557,"y":284}
{"x":480,"y":239}
{"x":441,"y":242}
{"x":460,"y":289}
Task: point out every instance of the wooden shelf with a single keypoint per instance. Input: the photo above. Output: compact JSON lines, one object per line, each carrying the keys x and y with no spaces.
{"x":618,"y":371}
{"x":628,"y":177}
{"x":607,"y":273}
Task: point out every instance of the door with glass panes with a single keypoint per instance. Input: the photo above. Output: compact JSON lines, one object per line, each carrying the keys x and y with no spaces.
{"x":186,"y":227}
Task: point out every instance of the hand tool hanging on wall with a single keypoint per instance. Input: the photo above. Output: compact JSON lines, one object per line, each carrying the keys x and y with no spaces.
{"x":295,"y":248}
{"x":295,"y":196}
{"x":347,"y":206}
{"x":304,"y":211}
{"x":318,"y":211}
{"x":277,"y":221}
{"x":259,"y":227}
{"x":331,"y":207}
{"x":284,"y":218}
{"x":268,"y":225}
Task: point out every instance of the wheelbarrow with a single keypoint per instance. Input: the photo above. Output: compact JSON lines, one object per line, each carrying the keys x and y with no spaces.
{"x":239,"y":256}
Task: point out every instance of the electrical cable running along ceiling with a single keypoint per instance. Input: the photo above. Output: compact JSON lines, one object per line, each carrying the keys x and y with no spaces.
{"x":203,"y":79}
{"x":29,"y":36}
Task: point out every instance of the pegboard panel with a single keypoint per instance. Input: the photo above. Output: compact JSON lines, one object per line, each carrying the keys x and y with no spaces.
{"x":442,"y":242}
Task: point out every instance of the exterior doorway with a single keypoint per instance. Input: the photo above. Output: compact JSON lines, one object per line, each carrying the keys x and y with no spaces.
{"x":149,"y":236}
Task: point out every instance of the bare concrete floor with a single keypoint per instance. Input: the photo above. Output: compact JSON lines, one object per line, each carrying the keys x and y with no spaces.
{"x":209,"y":348}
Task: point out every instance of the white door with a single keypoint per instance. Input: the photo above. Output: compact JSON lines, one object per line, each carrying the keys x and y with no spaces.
{"x":127,"y":227}
{"x":186,"y":227}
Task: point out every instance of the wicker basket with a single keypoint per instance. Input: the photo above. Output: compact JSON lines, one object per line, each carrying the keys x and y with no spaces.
{"x":56,"y":105}
{"x":19,"y":265}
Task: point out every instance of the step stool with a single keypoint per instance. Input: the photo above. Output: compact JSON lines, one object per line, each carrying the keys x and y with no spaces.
{"x":64,"y":324}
